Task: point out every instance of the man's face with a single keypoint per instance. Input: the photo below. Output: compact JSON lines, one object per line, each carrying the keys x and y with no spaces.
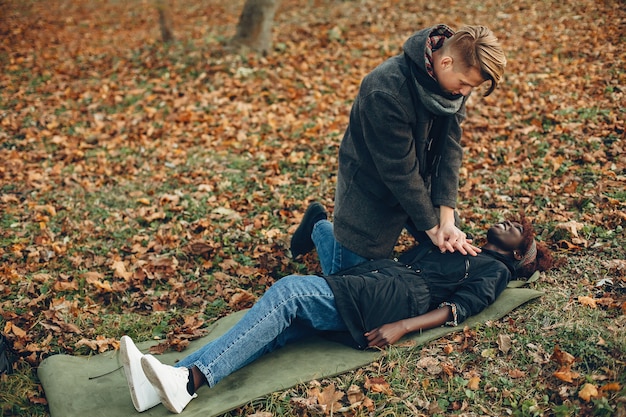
{"x":506,"y":235}
{"x":454,"y":81}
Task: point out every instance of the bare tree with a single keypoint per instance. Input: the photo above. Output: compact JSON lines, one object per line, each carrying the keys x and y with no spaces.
{"x":254,"y":29}
{"x":165,"y":20}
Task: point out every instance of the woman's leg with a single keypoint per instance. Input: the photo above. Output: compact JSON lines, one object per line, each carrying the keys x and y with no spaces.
{"x":290,"y":309}
{"x":332,"y":255}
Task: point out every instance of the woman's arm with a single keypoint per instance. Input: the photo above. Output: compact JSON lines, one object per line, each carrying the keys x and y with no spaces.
{"x":390,"y":333}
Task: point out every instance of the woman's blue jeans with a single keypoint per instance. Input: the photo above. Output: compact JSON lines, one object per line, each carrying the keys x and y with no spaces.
{"x":294,"y":307}
{"x":332,"y":255}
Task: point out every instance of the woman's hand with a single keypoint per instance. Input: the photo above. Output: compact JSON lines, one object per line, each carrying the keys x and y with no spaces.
{"x":385,"y":335}
{"x":390,"y":333}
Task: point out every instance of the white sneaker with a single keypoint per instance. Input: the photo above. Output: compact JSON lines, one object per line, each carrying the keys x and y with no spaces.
{"x":170,"y":383}
{"x":142,"y":392}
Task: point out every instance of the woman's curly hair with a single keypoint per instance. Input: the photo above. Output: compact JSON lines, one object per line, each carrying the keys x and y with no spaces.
{"x":543,"y":260}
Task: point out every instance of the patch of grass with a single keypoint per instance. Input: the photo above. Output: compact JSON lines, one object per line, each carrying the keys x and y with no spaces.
{"x":16,"y":391}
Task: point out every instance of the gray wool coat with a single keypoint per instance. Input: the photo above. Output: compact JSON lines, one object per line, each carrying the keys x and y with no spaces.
{"x":383,"y":181}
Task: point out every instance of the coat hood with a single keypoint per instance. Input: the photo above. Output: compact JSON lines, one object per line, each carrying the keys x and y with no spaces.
{"x":418,"y":45}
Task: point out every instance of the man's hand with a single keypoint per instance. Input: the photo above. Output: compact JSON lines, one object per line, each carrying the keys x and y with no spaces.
{"x":449,"y":238}
{"x":455,"y":239}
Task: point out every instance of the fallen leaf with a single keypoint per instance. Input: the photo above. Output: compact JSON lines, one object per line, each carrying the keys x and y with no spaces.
{"x":561,"y":357}
{"x":143,"y":201}
{"x":199,"y":247}
{"x":378,"y":384}
{"x":572,"y":227}
{"x":119,"y":270}
{"x":355,"y":394}
{"x":566,"y":374}
{"x":587,"y":392}
{"x":587,"y":301}
{"x":504,"y":343}
{"x":329,"y":399}
{"x":431,"y":364}
{"x":611,"y":386}
{"x":241,"y":299}
{"x":12,"y":328}
{"x":489,"y":353}
{"x":474,"y":383}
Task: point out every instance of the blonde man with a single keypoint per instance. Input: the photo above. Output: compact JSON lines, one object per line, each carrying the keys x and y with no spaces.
{"x":400,"y":156}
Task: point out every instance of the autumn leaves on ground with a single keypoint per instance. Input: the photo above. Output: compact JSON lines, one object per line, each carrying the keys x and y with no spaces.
{"x":148,"y":189}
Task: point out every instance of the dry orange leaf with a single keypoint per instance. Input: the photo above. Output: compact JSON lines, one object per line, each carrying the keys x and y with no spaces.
{"x":378,"y":384}
{"x":474,"y":383}
{"x":200,"y":248}
{"x":355,"y":394}
{"x":566,"y":374}
{"x":241,"y":299}
{"x":516,"y":373}
{"x":587,"y":392}
{"x":561,"y":357}
{"x":611,"y":386}
{"x":119,"y":270}
{"x":143,"y":201}
{"x":448,"y":369}
{"x":12,"y":328}
{"x":329,"y":399}
{"x":65,"y":286}
{"x":587,"y":301}
{"x":369,"y":404}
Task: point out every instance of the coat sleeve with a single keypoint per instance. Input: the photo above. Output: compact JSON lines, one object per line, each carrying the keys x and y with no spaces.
{"x":479,"y":290}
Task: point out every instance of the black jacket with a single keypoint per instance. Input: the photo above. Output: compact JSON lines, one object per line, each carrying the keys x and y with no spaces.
{"x":383,"y":291}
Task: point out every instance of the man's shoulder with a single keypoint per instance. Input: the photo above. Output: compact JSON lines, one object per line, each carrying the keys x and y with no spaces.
{"x":387,"y":77}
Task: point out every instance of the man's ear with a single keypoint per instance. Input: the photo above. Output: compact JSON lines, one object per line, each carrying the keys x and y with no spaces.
{"x":446,"y":62}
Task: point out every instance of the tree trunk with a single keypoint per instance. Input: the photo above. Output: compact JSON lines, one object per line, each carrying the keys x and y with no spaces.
{"x":165,"y":20}
{"x":254,"y":29}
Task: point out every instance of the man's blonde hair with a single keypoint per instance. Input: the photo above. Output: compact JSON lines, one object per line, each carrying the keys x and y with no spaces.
{"x":478,"y":47}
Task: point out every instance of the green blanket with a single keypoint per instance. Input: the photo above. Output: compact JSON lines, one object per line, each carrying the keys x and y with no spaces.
{"x":95,"y":385}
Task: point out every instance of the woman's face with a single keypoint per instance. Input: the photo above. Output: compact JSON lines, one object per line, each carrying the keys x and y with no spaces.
{"x":506,"y":235}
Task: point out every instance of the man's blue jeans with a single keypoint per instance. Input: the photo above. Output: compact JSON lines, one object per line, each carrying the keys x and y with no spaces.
{"x":294,"y":307}
{"x":332,"y":255}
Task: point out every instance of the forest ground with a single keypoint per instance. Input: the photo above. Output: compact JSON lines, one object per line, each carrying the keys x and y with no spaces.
{"x":149,"y":189}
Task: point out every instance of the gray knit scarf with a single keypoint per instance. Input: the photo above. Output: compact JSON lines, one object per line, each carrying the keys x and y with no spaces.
{"x":434,"y":98}
{"x":437,"y":104}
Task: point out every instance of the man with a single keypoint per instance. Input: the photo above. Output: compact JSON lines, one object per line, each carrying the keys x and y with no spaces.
{"x":373,"y":304}
{"x":400,"y":156}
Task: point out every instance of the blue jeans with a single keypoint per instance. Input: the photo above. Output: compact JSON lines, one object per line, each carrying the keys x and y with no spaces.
{"x":333,"y":256}
{"x":294,"y":307}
